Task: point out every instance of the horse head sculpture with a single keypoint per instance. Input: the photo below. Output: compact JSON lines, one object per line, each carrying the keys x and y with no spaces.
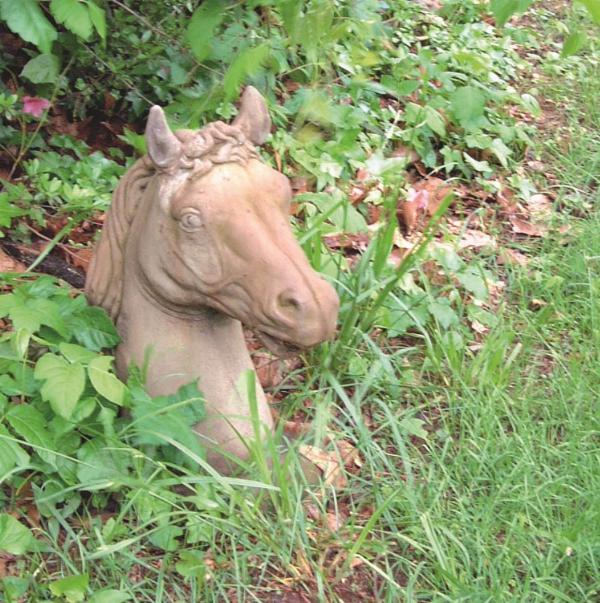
{"x":196,"y":242}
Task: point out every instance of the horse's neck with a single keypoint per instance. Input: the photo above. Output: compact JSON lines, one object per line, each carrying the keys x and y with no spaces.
{"x":209,"y":349}
{"x":178,"y":349}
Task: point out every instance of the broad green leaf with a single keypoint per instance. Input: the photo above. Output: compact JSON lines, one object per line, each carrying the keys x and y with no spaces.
{"x":501,"y":151}
{"x":104,"y":382}
{"x":72,"y":588}
{"x":20,"y":342}
{"x":503,"y":10}
{"x":25,"y":18}
{"x":473,"y":282}
{"x":109,"y":595}
{"x":191,"y":564}
{"x":468,"y":106}
{"x":8,"y":211}
{"x":74,"y":15}
{"x":63,"y":385}
{"x":414,"y":426}
{"x":15,"y":538}
{"x":593,"y":7}
{"x":30,"y":425}
{"x":101,"y":467}
{"x":76,"y":353}
{"x":247,"y":64}
{"x":42,"y":69}
{"x":14,"y":588}
{"x":444,"y":313}
{"x":480,"y":166}
{"x":11,"y":454}
{"x":165,"y":538}
{"x":98,"y":18}
{"x":167,"y":417}
{"x":574,"y":43}
{"x":201,"y":27}
{"x":34,"y":313}
{"x":435,"y":121}
{"x":93,"y":328}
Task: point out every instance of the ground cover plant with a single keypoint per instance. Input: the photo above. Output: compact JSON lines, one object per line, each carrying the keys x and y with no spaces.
{"x":445,"y":161}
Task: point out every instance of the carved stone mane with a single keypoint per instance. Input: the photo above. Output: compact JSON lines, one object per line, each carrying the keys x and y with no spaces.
{"x":216,"y":143}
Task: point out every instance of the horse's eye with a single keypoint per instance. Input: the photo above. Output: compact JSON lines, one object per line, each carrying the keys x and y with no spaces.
{"x":190,"y":220}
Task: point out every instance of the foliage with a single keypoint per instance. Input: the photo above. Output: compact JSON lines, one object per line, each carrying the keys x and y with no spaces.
{"x":441,"y":387}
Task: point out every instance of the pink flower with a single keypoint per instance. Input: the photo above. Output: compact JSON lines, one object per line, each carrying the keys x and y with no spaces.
{"x":35,"y":106}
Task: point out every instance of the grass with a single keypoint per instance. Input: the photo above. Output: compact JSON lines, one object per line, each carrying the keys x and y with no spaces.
{"x":478,"y":476}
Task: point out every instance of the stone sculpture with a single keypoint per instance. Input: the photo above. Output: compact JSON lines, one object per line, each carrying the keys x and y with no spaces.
{"x":196,"y":242}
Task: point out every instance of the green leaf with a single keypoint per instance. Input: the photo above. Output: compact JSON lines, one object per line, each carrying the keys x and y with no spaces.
{"x":167,"y":417}
{"x":165,"y":537}
{"x":473,"y":282}
{"x":191,"y":565}
{"x":444,"y":313}
{"x":413,"y":427}
{"x":34,"y":313}
{"x":42,"y":69}
{"x":104,"y":382}
{"x":25,"y":18}
{"x":63,"y":385}
{"x":467,"y":104}
{"x":593,"y":7}
{"x":109,"y":595}
{"x":71,"y":588}
{"x":14,"y":588}
{"x":435,"y":121}
{"x":503,"y":10}
{"x":74,"y":15}
{"x":15,"y":538}
{"x":101,"y":467}
{"x":247,"y":64}
{"x":93,"y":328}
{"x":98,"y":18}
{"x":8,"y":211}
{"x":30,"y":425}
{"x":501,"y":151}
{"x":200,"y":30}
{"x":11,"y":454}
{"x":574,"y":43}
{"x":76,"y":353}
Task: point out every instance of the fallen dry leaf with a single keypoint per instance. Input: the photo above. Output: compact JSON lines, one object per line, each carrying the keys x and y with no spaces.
{"x":536,"y":304}
{"x":438,"y":190}
{"x":475,"y":239}
{"x":527,"y":228}
{"x":80,"y":258}
{"x":357,"y":242}
{"x":511,"y":256}
{"x":268,"y":369}
{"x":413,"y":208}
{"x":540,"y":206}
{"x":479,"y":328}
{"x":328,"y":463}
{"x":357,"y":194}
{"x":8,"y":264}
{"x":404,"y":152}
{"x":330,"y":520}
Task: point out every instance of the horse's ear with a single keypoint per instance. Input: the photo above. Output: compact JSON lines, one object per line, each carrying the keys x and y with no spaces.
{"x":164,"y":149}
{"x":253,"y":117}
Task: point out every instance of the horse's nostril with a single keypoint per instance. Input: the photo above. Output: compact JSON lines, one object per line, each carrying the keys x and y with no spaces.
{"x":289,"y":301}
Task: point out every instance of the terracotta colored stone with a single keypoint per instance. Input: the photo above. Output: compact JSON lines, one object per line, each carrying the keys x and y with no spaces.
{"x":197,"y":242}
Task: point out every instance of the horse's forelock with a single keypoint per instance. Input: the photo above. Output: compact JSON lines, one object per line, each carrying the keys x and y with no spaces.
{"x":216,"y":143}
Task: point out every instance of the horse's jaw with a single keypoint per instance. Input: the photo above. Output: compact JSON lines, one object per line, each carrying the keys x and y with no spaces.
{"x":208,"y":348}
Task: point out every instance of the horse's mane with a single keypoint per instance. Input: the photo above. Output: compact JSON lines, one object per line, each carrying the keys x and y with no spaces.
{"x":214,"y":144}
